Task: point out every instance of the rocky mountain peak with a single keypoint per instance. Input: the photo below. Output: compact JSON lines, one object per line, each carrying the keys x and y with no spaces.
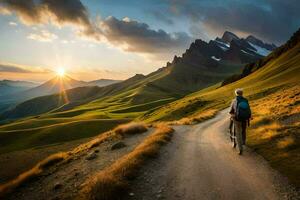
{"x":229,"y":36}
{"x":253,"y":40}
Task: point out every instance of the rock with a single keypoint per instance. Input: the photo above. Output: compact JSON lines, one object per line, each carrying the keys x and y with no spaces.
{"x":91,"y":156}
{"x":118,"y":145}
{"x":131,"y":194}
{"x":57,"y":186}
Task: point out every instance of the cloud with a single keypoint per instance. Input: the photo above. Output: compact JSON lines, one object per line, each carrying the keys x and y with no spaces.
{"x":4,"y":11}
{"x":272,"y":20}
{"x":12,"y":68}
{"x":13,"y":24}
{"x":15,"y":68}
{"x":134,"y":36}
{"x":127,"y":34}
{"x":43,"y":36}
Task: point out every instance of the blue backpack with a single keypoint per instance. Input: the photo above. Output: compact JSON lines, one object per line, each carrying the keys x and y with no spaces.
{"x":243,"y":111}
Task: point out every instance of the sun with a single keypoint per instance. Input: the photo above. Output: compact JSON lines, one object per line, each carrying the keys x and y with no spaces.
{"x":60,"y":72}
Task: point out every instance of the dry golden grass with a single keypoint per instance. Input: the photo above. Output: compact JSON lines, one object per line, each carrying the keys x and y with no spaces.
{"x":286,"y":142}
{"x":32,"y":173}
{"x":274,"y":132}
{"x":120,"y":131}
{"x":131,"y":128}
{"x":112,"y":182}
{"x":268,"y":131}
{"x":197,"y":118}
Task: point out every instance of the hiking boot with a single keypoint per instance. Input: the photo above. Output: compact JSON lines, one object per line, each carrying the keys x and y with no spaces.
{"x":240,"y":152}
{"x":233,"y":144}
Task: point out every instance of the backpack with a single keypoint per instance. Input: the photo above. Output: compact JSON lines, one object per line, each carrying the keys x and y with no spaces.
{"x":243,"y":112}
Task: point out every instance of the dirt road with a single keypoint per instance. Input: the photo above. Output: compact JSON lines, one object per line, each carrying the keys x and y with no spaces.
{"x":201,"y":164}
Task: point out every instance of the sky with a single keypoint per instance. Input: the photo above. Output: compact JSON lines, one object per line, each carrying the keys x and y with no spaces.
{"x":116,"y":39}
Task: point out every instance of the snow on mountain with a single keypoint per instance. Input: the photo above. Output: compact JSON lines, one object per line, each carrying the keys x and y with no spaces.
{"x":250,"y":44}
{"x":224,"y":46}
{"x":260,"y":50}
{"x":216,"y":59}
{"x":246,"y":52}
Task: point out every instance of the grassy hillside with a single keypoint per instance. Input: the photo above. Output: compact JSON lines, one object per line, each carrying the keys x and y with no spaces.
{"x":74,"y":121}
{"x":275,"y":131}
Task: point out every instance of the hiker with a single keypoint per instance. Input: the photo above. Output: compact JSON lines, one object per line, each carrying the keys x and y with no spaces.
{"x":240,"y":114}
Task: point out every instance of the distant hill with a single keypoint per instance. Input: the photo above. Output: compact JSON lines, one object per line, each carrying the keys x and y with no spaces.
{"x":10,"y":87}
{"x":102,"y":82}
{"x":19,"y":91}
{"x":59,"y":84}
{"x":56,"y":84}
{"x":201,"y":65}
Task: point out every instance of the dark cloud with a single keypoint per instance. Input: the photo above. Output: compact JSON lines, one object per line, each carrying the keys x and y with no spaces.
{"x":13,"y":68}
{"x":272,"y":20}
{"x":138,"y":37}
{"x":28,"y":11}
{"x":59,"y":12}
{"x":159,"y":15}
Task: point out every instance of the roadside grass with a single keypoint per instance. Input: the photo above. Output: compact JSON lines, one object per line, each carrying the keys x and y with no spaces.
{"x":32,"y":173}
{"x":131,"y":128}
{"x":112,"y":182}
{"x":127,"y":129}
{"x":274,"y":132}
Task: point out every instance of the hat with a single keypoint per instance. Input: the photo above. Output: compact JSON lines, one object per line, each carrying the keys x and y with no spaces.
{"x":239,"y":92}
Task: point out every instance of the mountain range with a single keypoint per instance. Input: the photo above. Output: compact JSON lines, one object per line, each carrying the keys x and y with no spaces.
{"x":9,"y":87}
{"x":201,"y":65}
{"x":12,"y":92}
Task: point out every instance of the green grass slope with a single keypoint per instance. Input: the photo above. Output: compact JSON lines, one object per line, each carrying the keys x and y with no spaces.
{"x":34,"y":133}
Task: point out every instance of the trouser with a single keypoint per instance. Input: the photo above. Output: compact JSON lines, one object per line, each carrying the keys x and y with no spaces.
{"x":240,"y":133}
{"x":230,"y":126}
